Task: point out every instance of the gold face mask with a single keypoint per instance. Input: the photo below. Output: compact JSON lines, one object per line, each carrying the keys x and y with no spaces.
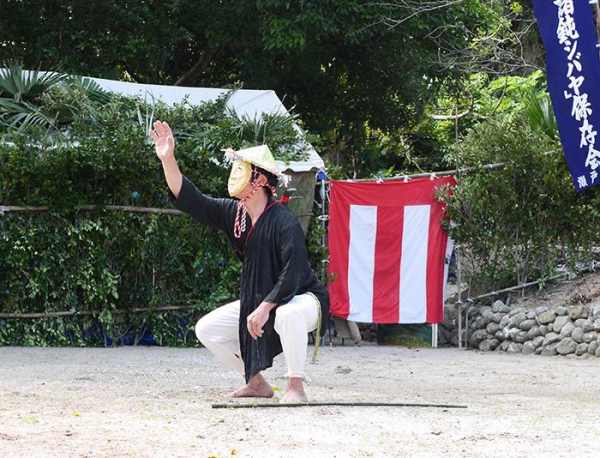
{"x":239,"y":178}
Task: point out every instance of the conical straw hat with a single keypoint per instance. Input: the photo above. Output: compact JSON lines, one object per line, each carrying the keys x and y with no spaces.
{"x":259,"y":156}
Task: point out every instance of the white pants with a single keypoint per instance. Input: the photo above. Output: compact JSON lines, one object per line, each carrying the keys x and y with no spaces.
{"x":218,"y":331}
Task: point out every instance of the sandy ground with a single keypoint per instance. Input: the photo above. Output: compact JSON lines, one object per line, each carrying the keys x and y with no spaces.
{"x":158,"y":402}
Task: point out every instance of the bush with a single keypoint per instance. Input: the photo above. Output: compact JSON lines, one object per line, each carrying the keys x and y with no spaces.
{"x":518,"y":223}
{"x":107,"y":266}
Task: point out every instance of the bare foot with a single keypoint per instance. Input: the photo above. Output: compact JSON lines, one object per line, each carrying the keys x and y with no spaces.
{"x":294,"y":393}
{"x":257,"y":387}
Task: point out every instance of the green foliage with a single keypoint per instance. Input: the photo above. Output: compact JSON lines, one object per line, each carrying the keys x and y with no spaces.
{"x":42,"y":100}
{"x":518,"y":223}
{"x":355,"y":71}
{"x":317,"y":248}
{"x":114,"y":268}
{"x":18,"y":94}
{"x":538,"y":109}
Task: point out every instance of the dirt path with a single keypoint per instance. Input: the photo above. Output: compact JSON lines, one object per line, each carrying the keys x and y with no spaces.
{"x":156,"y":402}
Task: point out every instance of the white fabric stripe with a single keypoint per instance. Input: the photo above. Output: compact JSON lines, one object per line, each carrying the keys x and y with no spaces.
{"x":413,"y":264}
{"x":361,"y":262}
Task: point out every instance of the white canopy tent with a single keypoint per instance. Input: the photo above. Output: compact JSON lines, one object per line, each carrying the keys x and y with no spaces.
{"x":245,"y":102}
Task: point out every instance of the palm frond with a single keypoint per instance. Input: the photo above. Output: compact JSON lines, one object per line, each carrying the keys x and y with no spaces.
{"x":24,"y":116}
{"x":92,"y":89}
{"x":539,"y":112}
{"x":25,"y":85}
{"x":258,"y":130}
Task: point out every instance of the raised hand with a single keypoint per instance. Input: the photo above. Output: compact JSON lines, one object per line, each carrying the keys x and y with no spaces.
{"x":163,"y":140}
{"x":165,"y":150}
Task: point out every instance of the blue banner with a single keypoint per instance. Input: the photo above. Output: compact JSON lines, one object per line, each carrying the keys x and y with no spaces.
{"x":573,"y":71}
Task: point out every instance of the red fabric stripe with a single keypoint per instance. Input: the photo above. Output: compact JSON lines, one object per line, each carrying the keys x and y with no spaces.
{"x":339,"y":243}
{"x":388,"y":249}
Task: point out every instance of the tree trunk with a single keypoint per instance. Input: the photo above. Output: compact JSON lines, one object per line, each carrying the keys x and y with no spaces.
{"x":189,"y":77}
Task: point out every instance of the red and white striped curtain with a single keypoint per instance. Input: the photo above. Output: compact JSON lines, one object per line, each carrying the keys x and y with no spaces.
{"x":388,"y":251}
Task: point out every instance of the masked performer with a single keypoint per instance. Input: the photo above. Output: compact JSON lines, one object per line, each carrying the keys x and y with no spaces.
{"x":281,"y":298}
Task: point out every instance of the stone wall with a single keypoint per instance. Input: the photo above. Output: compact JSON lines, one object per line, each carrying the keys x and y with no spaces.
{"x":564,"y":330}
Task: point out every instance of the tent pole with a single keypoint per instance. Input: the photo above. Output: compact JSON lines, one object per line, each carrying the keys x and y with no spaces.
{"x":459,"y":294}
{"x":457,"y":247}
{"x":324,"y":217}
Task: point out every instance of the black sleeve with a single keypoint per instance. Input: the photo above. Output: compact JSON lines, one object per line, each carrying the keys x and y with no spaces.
{"x":217,"y":213}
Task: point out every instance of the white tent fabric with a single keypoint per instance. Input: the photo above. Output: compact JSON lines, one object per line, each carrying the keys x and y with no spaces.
{"x":245,"y":102}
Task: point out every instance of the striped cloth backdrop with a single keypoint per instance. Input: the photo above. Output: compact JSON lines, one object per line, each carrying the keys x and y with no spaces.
{"x":388,"y":251}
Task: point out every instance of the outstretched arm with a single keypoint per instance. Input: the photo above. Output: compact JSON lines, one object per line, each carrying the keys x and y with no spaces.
{"x":165,"y":150}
